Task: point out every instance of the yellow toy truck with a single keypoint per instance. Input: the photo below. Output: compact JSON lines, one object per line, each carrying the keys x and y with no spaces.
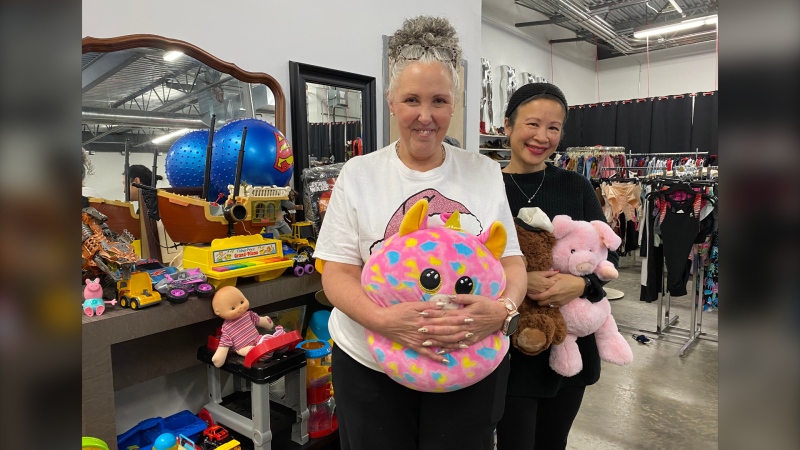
{"x":137,"y":292}
{"x":302,"y":239}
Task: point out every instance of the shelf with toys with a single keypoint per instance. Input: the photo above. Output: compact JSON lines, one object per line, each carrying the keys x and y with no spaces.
{"x":118,"y":346}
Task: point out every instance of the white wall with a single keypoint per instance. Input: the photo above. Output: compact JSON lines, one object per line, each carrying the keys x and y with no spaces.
{"x":109,"y":167}
{"x":346,"y":36}
{"x":501,"y":46}
{"x":679,"y":70}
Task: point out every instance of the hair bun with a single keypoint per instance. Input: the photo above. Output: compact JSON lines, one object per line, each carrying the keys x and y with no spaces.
{"x":425,"y":31}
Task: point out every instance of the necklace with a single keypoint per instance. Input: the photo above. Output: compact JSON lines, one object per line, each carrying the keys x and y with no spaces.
{"x":523,"y":192}
{"x":397,"y":151}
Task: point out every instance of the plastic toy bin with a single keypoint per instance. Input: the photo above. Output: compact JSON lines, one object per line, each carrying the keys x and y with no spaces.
{"x":147,"y":431}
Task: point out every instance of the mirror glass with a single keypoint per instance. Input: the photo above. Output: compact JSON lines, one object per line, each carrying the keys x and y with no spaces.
{"x":335,"y":124}
{"x":150,"y":97}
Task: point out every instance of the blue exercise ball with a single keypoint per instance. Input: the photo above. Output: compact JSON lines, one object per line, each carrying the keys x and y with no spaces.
{"x":268,"y":158}
{"x":186,"y":159}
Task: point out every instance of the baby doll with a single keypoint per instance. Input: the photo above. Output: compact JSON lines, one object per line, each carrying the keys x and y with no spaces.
{"x":93,"y":302}
{"x":239,"y":331}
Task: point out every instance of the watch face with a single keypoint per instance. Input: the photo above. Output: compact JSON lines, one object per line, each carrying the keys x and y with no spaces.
{"x":513,"y":321}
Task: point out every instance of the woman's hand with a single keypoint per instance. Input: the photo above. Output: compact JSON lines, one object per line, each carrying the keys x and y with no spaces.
{"x":540,"y":281}
{"x":407,"y":324}
{"x":453,"y":329}
{"x":565,"y":288}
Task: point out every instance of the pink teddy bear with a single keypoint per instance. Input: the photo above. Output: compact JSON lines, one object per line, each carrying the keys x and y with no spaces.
{"x":582,"y":248}
{"x":93,"y":302}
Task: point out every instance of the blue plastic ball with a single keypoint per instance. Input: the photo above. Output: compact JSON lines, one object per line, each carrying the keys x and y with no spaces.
{"x":268,"y":158}
{"x":166,"y":441}
{"x":186,"y":159}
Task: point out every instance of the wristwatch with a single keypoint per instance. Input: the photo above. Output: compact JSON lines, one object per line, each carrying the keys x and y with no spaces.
{"x":588,"y":285}
{"x":510,"y":324}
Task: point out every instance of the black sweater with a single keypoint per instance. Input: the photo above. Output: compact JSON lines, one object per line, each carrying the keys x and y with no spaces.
{"x":562,"y":192}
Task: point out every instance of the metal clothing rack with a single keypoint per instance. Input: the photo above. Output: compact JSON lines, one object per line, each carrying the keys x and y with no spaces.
{"x":665,"y":325}
{"x":595,"y":149}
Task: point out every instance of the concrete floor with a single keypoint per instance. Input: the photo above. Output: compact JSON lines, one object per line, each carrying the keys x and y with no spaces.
{"x":661,"y":400}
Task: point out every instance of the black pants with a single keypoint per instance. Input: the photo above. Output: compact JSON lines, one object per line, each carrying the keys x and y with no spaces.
{"x":539,"y":423}
{"x":375,"y":412}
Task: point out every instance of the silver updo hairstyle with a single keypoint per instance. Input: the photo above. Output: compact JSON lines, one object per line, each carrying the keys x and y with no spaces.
{"x":425,"y":39}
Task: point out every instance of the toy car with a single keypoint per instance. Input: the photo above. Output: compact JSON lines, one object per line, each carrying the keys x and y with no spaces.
{"x":218,"y":438}
{"x":137,"y":292}
{"x":303,"y":264}
{"x":179,"y":285}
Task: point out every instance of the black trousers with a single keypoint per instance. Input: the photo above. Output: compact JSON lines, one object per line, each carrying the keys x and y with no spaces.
{"x":539,"y":423}
{"x":375,"y":412}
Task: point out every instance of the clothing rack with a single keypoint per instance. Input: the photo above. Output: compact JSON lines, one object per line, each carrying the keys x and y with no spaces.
{"x":595,"y":149}
{"x":667,"y":154}
{"x":665,"y":326}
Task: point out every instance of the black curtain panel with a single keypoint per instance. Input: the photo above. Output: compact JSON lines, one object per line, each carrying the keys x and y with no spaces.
{"x":599,"y":125}
{"x":706,"y":123}
{"x":671,"y":125}
{"x":337,"y":141}
{"x":571,"y":134}
{"x":634,"y":122}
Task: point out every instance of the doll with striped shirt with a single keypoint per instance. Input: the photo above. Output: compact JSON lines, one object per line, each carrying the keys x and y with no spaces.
{"x":239,"y":332}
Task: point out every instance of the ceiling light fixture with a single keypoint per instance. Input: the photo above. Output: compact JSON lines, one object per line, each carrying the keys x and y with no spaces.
{"x":677,"y":8}
{"x":168,"y":136}
{"x":172,"y":56}
{"x":685,"y":25}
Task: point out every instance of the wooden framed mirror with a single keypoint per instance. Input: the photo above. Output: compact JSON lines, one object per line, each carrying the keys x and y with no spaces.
{"x":337,"y":86}
{"x":146,"y":90}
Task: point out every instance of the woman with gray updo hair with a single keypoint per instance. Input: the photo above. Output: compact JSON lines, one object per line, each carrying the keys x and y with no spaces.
{"x":371,"y":196}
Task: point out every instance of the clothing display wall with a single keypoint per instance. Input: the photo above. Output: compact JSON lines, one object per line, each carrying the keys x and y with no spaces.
{"x":331,"y":138}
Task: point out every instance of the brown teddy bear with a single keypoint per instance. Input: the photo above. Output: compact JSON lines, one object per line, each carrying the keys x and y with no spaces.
{"x":539,"y":327}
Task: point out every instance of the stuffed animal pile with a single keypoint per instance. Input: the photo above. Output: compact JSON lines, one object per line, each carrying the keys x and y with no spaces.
{"x":427,"y":264}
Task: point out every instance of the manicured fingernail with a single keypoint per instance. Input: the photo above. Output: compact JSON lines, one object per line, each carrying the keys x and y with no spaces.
{"x":446,"y":361}
{"x":423,"y":313}
{"x":452,"y":297}
{"x":468,"y":335}
{"x":439,"y":304}
{"x":468,"y":320}
{"x":441,"y":352}
{"x":463,"y":346}
{"x":427,"y":344}
{"x":423,"y":330}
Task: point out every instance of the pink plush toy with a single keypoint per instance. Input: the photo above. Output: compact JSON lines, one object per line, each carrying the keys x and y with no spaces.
{"x":582,"y":248}
{"x":426,"y":264}
{"x":93,"y":302}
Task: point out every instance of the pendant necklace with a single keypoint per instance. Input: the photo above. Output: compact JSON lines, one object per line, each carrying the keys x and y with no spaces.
{"x":523,"y":192}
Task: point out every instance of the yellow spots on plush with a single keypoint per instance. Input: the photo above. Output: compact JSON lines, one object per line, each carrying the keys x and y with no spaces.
{"x":396,"y":346}
{"x":435,"y":235}
{"x":435,"y":261}
{"x":497,"y":343}
{"x":416,"y":369}
{"x":392,"y":366}
{"x":370,"y":288}
{"x":411,"y":242}
{"x":412,"y":264}
{"x":376,"y":269}
{"x":467,"y":363}
{"x":480,"y":252}
{"x":470,"y":374}
{"x":485,"y":265}
{"x":461,"y":269}
{"x":442,"y":379}
{"x":371,"y":339}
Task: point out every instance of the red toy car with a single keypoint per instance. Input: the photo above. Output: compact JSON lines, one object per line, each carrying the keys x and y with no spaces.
{"x":215,"y":435}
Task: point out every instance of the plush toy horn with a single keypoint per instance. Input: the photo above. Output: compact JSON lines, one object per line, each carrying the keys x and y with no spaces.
{"x":453,"y":221}
{"x":415,"y":219}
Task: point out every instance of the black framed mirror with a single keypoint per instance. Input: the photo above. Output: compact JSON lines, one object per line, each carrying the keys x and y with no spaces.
{"x":340,"y":86}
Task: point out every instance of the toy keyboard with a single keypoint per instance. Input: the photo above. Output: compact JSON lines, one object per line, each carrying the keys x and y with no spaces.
{"x":224,"y":260}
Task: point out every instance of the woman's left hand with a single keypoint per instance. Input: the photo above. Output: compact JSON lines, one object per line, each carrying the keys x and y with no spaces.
{"x":455,"y":328}
{"x":566,"y":288}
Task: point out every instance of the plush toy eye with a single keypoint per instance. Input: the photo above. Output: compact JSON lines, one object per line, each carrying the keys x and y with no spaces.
{"x":430,"y":280}
{"x":572,"y":251}
{"x":464,"y":285}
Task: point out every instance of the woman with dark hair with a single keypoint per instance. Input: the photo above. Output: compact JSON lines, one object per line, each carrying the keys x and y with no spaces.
{"x":139,"y":174}
{"x":541,"y":404}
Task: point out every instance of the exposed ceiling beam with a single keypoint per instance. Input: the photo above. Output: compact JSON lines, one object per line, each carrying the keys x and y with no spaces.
{"x":150,"y":86}
{"x":100,"y":69}
{"x":132,"y":117}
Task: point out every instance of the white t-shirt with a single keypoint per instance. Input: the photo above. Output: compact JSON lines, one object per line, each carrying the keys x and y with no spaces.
{"x":370,"y":198}
{"x":87,"y":191}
